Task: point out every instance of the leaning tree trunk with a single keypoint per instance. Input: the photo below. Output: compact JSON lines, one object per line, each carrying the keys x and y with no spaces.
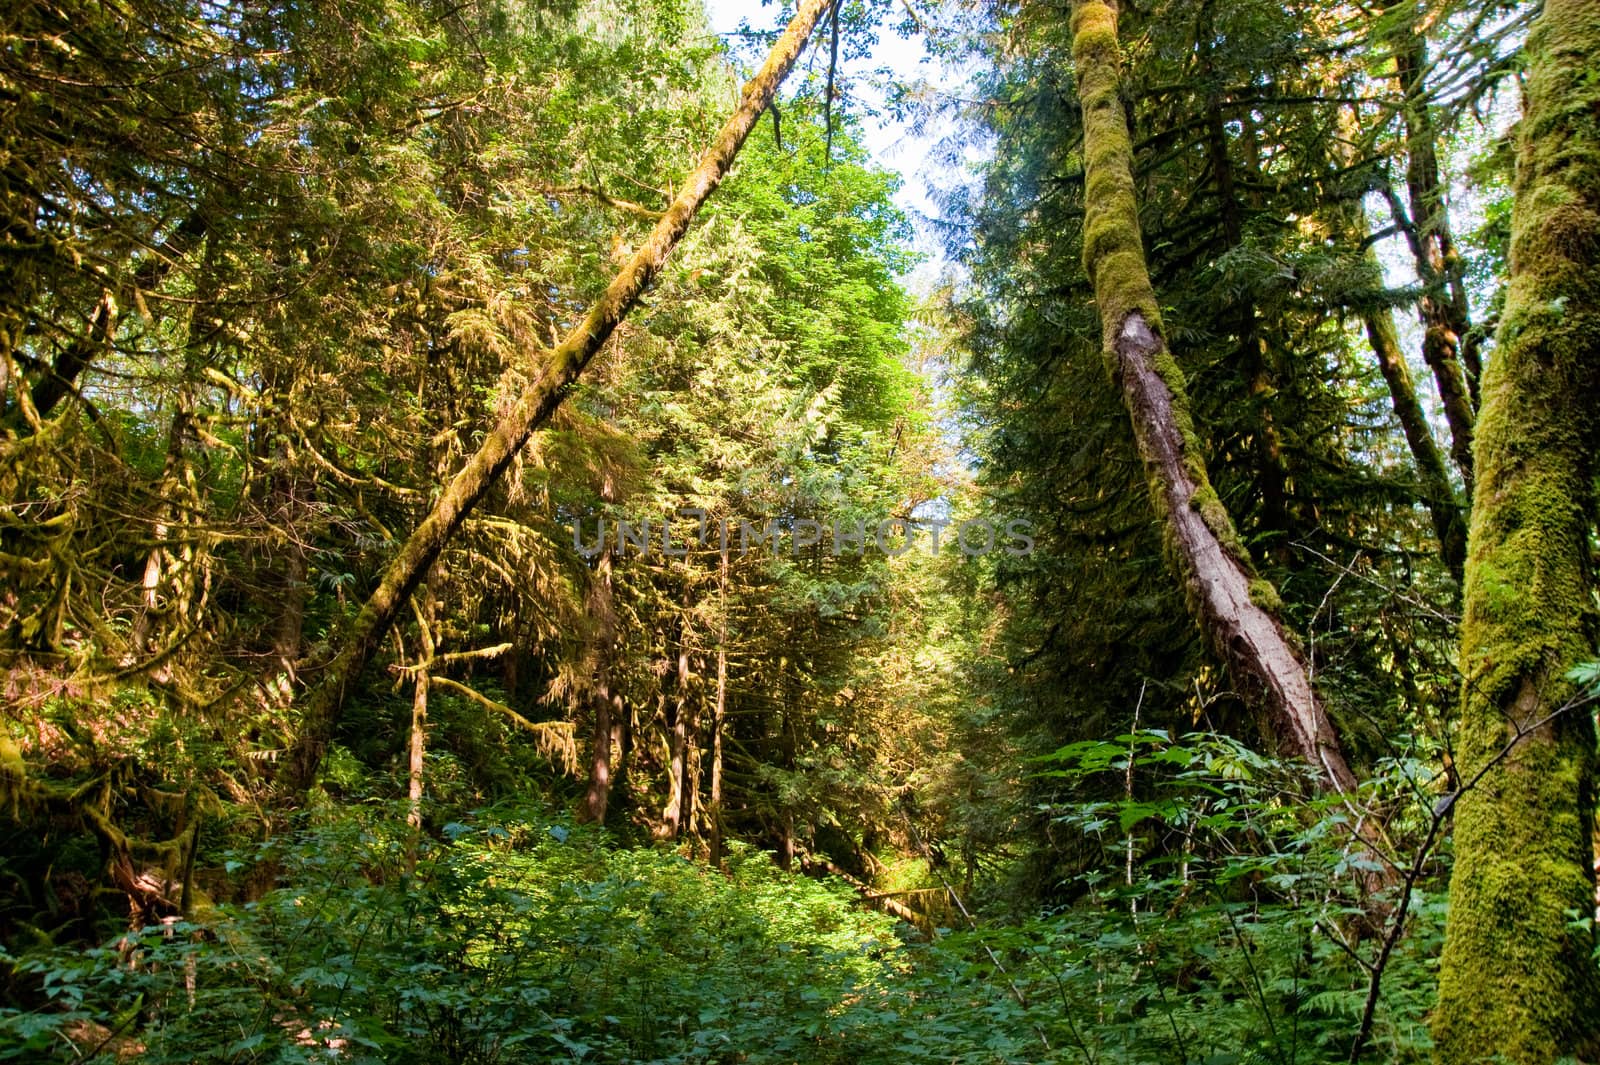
{"x":1517,"y":975}
{"x":61,"y":379}
{"x":1232,"y":605}
{"x":533,"y":408}
{"x":1433,"y":478}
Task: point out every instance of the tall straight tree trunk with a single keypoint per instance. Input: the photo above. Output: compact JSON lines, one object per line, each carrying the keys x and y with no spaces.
{"x":600,"y":607}
{"x":1517,"y":976}
{"x":719,"y":710}
{"x":1445,"y":322}
{"x":1232,"y":605}
{"x":561,"y":369}
{"x":673,"y":815}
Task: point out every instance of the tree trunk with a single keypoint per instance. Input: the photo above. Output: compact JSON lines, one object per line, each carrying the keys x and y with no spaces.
{"x":533,"y":408}
{"x":290,"y":514}
{"x":672,"y":816}
{"x":1443,"y":308}
{"x":1517,"y":975}
{"x":1449,"y":524}
{"x":600,"y":608}
{"x":1433,"y":477}
{"x":719,"y":711}
{"x":1231,"y":604}
{"x":419,"y":709}
{"x":598,"y":795}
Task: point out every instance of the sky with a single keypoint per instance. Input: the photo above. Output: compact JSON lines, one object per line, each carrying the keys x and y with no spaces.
{"x":893,"y":145}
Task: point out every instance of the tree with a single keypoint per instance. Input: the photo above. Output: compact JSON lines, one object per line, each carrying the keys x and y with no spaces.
{"x":1517,"y":975}
{"x":1232,"y":605}
{"x":1446,"y":345}
{"x":554,"y":380}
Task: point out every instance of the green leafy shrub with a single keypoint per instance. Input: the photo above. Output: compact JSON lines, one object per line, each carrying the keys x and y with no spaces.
{"x":515,"y":939}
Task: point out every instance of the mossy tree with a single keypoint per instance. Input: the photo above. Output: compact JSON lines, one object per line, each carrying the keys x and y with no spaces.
{"x":1234,"y":606}
{"x":1517,"y":976}
{"x":560,"y":368}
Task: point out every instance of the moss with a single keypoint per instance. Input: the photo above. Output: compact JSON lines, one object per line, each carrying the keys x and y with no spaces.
{"x":1215,"y":515}
{"x":1113,"y":248}
{"x":11,"y":757}
{"x":1265,"y":596}
{"x":1516,"y":977}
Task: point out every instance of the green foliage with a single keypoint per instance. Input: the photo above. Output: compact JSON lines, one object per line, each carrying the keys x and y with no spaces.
{"x":514,"y":938}
{"x":1222,"y":923}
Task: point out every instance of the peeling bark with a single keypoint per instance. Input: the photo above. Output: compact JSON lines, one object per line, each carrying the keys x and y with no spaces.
{"x":1229,"y":602}
{"x":1250,"y":640}
{"x":533,"y":408}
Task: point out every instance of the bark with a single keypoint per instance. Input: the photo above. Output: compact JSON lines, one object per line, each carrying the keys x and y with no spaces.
{"x":600,"y":607}
{"x":1517,"y":974}
{"x":719,"y":711}
{"x":673,"y":814}
{"x":1449,"y":524}
{"x":289,"y":514}
{"x":1230,"y":603}
{"x":1445,"y":322}
{"x":597,"y":799}
{"x":419,"y":748}
{"x":533,"y":408}
{"x":172,"y":560}
{"x":419,"y":709}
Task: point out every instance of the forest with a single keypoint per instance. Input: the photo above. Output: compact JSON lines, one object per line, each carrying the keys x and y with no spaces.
{"x":521,"y":541}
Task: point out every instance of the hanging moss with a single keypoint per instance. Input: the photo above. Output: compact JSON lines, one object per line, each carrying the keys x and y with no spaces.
{"x":1517,"y":977}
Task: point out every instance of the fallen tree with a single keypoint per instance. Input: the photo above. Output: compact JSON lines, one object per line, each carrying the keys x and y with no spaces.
{"x":1234,"y":606}
{"x":558,"y":373}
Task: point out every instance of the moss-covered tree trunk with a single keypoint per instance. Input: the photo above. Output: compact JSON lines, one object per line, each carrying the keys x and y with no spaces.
{"x":561,"y":368}
{"x":1449,"y":524}
{"x":1233,"y":606}
{"x":1517,"y":977}
{"x":1443,"y":307}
